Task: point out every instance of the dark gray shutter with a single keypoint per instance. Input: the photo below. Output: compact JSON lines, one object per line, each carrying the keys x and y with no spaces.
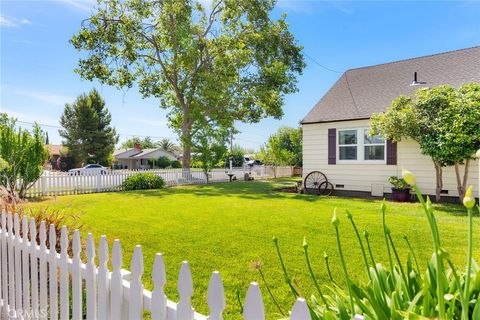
{"x":391,"y":153}
{"x":332,"y":146}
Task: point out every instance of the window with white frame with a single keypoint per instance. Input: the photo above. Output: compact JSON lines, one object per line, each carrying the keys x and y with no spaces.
{"x":356,"y":145}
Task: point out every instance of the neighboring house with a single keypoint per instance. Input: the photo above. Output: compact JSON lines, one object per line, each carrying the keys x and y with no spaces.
{"x":54,"y":151}
{"x":335,"y":139}
{"x":136,"y":158}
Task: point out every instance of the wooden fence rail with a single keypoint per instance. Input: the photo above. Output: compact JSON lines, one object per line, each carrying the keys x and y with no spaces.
{"x":37,"y":282}
{"x":63,"y":183}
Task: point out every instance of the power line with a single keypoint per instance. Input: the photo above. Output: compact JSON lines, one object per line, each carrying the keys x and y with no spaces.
{"x":120,"y":134}
{"x":321,"y":65}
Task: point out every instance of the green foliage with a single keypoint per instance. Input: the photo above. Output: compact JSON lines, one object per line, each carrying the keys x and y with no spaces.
{"x":209,"y":148}
{"x":401,"y":290}
{"x":87,"y":132}
{"x":238,"y":156}
{"x":443,"y":120}
{"x":398,"y":183}
{"x":143,"y":181}
{"x":176,"y":164}
{"x":166,"y":145}
{"x":145,"y":143}
{"x":284,"y":148}
{"x":161,"y":162}
{"x":195,"y":60}
{"x":22,"y":155}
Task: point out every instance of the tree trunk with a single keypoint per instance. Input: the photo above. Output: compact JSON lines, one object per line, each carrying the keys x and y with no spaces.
{"x":462,"y":182}
{"x":439,"y":181}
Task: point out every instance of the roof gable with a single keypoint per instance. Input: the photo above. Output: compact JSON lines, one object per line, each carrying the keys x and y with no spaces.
{"x":361,"y":92}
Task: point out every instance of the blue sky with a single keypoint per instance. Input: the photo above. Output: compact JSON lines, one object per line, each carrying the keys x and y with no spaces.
{"x":37,"y":62}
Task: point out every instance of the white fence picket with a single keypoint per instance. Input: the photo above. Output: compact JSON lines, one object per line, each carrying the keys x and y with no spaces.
{"x":159,"y":299}
{"x":52,"y":272}
{"x":254,"y":308}
{"x":185,"y":291}
{"x":36,"y":280}
{"x":64,"y":276}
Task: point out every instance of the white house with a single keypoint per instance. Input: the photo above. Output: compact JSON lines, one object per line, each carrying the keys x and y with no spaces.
{"x":335,"y":139}
{"x":136,"y":158}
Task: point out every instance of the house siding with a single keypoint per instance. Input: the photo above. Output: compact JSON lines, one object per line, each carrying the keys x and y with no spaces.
{"x":371,"y":177}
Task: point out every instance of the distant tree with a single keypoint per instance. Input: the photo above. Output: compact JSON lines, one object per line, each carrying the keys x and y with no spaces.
{"x":445,"y":123}
{"x":87,"y":132}
{"x":230,"y":61}
{"x":167,"y":145}
{"x":145,"y":143}
{"x":238,"y":156}
{"x":23,"y":156}
{"x":209,"y":148}
{"x":161,"y":162}
{"x":283,"y":148}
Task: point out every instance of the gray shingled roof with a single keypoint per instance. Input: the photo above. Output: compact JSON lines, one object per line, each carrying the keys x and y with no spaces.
{"x":361,"y":92}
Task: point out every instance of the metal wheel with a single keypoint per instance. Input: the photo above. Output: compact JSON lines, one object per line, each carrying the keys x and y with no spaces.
{"x":327,"y":188}
{"x":313,"y":181}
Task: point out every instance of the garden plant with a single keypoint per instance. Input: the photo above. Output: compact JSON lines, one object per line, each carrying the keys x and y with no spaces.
{"x":399,"y":290}
{"x":143,"y":181}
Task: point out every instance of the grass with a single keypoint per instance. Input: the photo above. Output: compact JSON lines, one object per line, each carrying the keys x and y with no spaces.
{"x":229,"y":226}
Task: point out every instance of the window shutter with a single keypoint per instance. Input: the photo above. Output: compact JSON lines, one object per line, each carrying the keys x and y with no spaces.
{"x":391,"y":153}
{"x":332,"y":146}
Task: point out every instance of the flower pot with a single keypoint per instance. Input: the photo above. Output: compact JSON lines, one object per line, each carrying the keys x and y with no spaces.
{"x":401,"y":195}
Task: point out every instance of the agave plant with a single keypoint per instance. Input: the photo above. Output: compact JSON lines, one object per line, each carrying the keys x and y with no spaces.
{"x":399,"y":290}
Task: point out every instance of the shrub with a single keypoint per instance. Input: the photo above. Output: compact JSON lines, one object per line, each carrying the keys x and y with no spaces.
{"x":143,"y":181}
{"x":176,"y":164}
{"x":398,"y":183}
{"x":398,"y":290}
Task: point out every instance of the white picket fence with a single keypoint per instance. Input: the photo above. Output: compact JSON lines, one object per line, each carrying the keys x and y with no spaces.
{"x":63,"y":183}
{"x":39,"y":283}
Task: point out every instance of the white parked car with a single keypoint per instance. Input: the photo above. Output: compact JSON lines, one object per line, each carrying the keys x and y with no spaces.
{"x":88,"y":169}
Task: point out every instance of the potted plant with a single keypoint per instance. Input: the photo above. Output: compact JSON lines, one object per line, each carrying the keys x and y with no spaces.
{"x":400,"y":189}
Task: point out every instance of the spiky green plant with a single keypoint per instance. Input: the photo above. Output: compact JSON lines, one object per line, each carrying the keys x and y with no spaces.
{"x":401,"y":291}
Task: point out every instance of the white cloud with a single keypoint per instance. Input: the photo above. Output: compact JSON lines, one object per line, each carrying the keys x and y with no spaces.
{"x":85,"y":5}
{"x":30,"y":117}
{"x":12,"y":22}
{"x":48,"y":97}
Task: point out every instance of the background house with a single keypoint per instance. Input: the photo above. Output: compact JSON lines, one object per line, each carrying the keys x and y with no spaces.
{"x":335,"y":139}
{"x":137,"y":158}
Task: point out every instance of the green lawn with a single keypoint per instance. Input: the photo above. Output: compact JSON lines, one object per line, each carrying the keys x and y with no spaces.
{"x":228,"y":227}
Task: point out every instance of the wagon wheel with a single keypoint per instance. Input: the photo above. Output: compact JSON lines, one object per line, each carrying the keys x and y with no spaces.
{"x":313,"y":181}
{"x":327,"y":188}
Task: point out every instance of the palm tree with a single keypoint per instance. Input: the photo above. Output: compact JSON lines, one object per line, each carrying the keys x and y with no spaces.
{"x":166,"y":145}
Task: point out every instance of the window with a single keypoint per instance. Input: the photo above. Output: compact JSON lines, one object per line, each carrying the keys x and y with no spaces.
{"x":347,"y":144}
{"x":355,"y":145}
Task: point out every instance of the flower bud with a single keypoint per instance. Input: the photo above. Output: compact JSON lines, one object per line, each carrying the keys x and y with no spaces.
{"x":275,"y":240}
{"x":383,"y":206}
{"x":387,"y":230}
{"x":305,"y":244}
{"x":325,"y":255}
{"x":429,"y":204}
{"x":409,"y":177}
{"x":335,"y":221}
{"x":366,"y":234}
{"x":469,"y":200}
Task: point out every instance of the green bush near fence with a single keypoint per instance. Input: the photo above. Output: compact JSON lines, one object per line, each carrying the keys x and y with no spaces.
{"x":143,"y":181}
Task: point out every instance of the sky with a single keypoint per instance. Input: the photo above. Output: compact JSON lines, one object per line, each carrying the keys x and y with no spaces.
{"x":37,"y":61}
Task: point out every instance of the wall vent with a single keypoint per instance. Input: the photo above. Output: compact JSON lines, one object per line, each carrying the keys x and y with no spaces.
{"x":339,"y":186}
{"x":444,"y":191}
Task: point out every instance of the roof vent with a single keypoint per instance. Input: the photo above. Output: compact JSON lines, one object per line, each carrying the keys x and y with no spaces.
{"x":415,"y":80}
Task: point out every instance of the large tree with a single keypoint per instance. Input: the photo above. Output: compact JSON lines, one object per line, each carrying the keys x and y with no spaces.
{"x":227,"y":62}
{"x":22,"y":156}
{"x":283,"y":148}
{"x":445,"y":123}
{"x":87,"y":132}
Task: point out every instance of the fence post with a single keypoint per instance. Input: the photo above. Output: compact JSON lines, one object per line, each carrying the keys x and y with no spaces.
{"x":185,"y":291}
{"x":99,"y":181}
{"x":43,"y":185}
{"x":254,"y":308}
